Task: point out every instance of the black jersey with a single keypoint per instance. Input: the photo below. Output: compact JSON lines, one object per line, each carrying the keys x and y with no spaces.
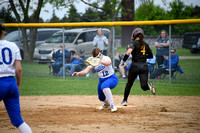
{"x":140,"y":52}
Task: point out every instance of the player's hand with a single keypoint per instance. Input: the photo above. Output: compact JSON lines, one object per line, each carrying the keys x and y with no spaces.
{"x":122,"y":62}
{"x":165,"y":57}
{"x":74,"y":74}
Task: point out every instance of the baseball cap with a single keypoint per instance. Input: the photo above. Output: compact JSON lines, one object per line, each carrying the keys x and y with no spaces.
{"x":82,"y":50}
{"x":2,"y":27}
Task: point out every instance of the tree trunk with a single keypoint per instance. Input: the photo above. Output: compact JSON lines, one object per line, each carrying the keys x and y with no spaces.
{"x":32,"y":42}
{"x":25,"y":43}
{"x":127,"y":15}
{"x":28,"y":45}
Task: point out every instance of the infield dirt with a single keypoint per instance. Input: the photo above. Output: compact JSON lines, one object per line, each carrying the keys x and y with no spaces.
{"x":75,"y":114}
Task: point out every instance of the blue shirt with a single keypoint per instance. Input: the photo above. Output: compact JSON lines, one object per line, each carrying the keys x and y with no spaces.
{"x":174,"y":62}
{"x":76,"y":61}
{"x":162,"y":50}
{"x":58,"y":56}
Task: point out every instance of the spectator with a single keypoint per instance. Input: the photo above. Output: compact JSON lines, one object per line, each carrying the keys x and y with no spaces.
{"x":100,"y":41}
{"x":162,"y":47}
{"x":151,"y":63}
{"x":117,"y":61}
{"x":77,"y":64}
{"x":58,"y":57}
{"x":126,"y":66}
{"x":165,"y":70}
{"x":82,"y":55}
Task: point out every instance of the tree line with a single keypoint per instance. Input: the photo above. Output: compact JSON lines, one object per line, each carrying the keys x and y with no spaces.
{"x":145,"y":12}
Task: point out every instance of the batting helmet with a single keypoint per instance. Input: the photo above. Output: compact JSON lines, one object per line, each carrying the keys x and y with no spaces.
{"x":135,"y":32}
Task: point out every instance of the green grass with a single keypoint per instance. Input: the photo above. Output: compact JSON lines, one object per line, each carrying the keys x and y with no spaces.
{"x":83,"y":86}
{"x":37,"y":81}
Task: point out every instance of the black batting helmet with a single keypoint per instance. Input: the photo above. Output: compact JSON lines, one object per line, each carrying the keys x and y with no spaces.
{"x":137,"y":31}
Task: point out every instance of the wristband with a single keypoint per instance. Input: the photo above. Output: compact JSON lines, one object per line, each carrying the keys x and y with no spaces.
{"x":125,"y":57}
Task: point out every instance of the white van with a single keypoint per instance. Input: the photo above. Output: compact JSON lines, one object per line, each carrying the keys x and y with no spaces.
{"x":42,"y":35}
{"x":75,"y":40}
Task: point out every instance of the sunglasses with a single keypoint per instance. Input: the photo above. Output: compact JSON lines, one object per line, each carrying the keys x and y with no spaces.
{"x":173,"y":52}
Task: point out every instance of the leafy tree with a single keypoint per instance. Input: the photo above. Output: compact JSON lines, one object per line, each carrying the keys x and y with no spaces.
{"x":178,"y":10}
{"x":64,"y":19}
{"x":91,"y":16}
{"x":54,"y":18}
{"x":196,"y":12}
{"x":73,"y":16}
{"x":181,"y":11}
{"x":21,"y":9}
{"x":148,"y":11}
{"x":6,"y":17}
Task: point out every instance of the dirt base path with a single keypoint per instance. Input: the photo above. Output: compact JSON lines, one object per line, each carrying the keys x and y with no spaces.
{"x":75,"y":114}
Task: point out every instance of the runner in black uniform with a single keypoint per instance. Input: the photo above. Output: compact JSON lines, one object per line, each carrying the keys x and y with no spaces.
{"x":140,"y":52}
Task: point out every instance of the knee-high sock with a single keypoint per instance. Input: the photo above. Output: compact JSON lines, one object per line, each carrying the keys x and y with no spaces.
{"x":24,"y":128}
{"x":107,"y":92}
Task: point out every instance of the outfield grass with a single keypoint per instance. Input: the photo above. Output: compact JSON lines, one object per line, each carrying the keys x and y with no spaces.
{"x":37,"y":81}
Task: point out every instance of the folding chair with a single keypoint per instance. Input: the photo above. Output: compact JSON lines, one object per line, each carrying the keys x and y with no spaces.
{"x":174,"y":73}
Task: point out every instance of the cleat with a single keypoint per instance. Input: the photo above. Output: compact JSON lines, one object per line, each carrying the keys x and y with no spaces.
{"x":124,"y":103}
{"x":104,"y":106}
{"x":151,"y":87}
{"x":113,"y":108}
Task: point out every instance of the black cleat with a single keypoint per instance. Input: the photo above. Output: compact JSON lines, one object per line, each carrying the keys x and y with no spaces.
{"x":124,"y":103}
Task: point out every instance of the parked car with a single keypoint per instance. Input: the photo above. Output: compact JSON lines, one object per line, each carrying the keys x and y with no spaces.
{"x":74,"y":41}
{"x":42,"y":35}
{"x":191,"y":40}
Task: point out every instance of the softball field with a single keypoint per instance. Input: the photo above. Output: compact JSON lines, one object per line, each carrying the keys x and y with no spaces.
{"x":75,"y":114}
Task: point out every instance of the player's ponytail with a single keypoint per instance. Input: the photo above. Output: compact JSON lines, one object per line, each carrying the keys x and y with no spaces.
{"x":141,"y":39}
{"x":96,"y":52}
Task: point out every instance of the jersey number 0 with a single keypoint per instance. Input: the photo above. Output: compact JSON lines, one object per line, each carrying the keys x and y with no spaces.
{"x":3,"y":55}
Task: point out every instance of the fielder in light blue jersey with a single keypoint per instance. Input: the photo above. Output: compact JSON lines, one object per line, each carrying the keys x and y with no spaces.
{"x":10,"y":66}
{"x":107,"y":79}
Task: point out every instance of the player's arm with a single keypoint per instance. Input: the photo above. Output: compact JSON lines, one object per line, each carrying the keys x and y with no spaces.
{"x":84,"y":72}
{"x":105,"y":62}
{"x":128,"y":52}
{"x":18,"y":68}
